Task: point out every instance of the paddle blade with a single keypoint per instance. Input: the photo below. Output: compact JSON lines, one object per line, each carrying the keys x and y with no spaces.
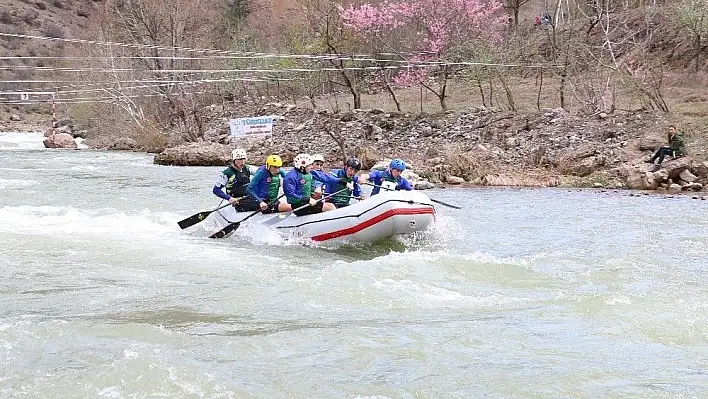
{"x":226,"y":230}
{"x":194,"y":219}
{"x":446,"y":204}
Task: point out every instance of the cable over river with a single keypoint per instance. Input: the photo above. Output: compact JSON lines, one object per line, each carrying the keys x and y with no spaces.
{"x":524,"y":293}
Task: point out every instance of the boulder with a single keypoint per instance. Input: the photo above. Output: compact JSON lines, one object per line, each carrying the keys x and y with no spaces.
{"x":64,"y":122}
{"x":652,"y":142}
{"x":675,"y":166}
{"x":79,"y":133}
{"x":586,"y":166}
{"x":674,"y":188}
{"x":60,"y":140}
{"x":16,"y":118}
{"x":64,"y":129}
{"x":454,"y":180}
{"x":424,"y":185}
{"x":701,"y":170}
{"x":195,"y":154}
{"x":123,"y":144}
{"x":687,"y":176}
{"x":368,"y":156}
{"x":381,"y":165}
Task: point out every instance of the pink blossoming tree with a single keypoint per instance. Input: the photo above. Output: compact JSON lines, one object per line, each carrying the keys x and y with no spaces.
{"x":426,"y":34}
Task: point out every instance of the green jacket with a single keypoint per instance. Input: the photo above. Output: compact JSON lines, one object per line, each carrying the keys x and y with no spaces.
{"x":678,"y":144}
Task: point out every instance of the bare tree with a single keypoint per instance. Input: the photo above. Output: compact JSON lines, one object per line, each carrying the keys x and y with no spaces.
{"x":325,"y":23}
{"x":159,"y":29}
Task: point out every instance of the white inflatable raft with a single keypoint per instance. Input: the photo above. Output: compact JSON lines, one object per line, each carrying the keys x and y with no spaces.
{"x":380,"y":216}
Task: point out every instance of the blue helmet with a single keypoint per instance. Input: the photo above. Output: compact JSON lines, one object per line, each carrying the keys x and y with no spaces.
{"x":397,"y":164}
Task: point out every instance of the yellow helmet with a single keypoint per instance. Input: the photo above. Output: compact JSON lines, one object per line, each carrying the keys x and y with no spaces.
{"x":273,"y":160}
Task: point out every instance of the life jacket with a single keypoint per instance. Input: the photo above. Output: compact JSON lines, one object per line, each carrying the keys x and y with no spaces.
{"x":343,"y":197}
{"x":237,"y":180}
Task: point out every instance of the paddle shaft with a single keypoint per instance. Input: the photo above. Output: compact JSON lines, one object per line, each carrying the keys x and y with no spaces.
{"x":233,"y":226}
{"x":432,"y":199}
{"x":321,"y":199}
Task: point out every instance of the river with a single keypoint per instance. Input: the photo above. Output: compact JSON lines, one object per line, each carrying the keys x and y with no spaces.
{"x":525,"y":293}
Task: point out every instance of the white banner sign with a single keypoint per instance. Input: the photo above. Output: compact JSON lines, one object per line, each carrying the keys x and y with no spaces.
{"x":259,"y":125}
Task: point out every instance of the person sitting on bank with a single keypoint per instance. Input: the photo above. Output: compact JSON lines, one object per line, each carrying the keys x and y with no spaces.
{"x":298,"y":188}
{"x":232,"y":182}
{"x":390,"y":178}
{"x":676,"y":147}
{"x":345,"y":178}
{"x":265,"y":185}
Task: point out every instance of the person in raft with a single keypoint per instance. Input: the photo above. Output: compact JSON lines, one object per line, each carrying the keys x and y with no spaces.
{"x":298,"y":188}
{"x":390,"y":178}
{"x":232,"y":182}
{"x":265,"y":185}
{"x":317,"y":176}
{"x":339,"y":179}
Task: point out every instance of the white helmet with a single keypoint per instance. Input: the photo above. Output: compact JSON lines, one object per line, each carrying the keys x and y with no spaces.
{"x":302,"y":160}
{"x":318,"y":157}
{"x":238,"y":153}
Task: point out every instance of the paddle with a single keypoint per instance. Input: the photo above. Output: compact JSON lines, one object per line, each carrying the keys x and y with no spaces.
{"x":282,"y":216}
{"x":233,"y":226}
{"x":198,"y":217}
{"x":432,"y":199}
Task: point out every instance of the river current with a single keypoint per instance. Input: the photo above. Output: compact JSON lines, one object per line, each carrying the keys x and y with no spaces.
{"x":525,"y":293}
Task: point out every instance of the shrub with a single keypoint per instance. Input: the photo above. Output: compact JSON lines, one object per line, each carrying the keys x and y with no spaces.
{"x":53,"y":30}
{"x":30,"y":16}
{"x":7,"y":18}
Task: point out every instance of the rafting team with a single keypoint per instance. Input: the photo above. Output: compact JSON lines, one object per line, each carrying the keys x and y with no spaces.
{"x":306,"y":184}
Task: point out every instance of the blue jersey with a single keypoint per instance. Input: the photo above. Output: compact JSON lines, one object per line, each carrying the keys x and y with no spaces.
{"x":318,"y":177}
{"x":297,"y":187}
{"x":264,"y":186}
{"x":378,"y":177}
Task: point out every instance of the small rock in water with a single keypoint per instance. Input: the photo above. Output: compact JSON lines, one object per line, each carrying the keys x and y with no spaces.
{"x":455,"y":180}
{"x":424,"y":185}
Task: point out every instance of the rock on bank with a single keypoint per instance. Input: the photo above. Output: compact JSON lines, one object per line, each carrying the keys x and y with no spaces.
{"x":481,"y":146}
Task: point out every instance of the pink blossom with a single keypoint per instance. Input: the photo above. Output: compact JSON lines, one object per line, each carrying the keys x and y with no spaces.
{"x":425,"y":28}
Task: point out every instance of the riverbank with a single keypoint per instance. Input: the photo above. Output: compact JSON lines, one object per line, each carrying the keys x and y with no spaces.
{"x":478,"y":147}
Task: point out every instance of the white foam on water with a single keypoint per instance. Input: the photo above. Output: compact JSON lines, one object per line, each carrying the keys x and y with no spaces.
{"x":80,"y":143}
{"x":110,"y":392}
{"x":443,"y":256}
{"x":21,"y":141}
{"x":426,"y":295}
{"x":29,"y":219}
{"x":16,"y":183}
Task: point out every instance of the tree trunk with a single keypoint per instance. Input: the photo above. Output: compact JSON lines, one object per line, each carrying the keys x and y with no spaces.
{"x":481,"y":92}
{"x":393,"y":96}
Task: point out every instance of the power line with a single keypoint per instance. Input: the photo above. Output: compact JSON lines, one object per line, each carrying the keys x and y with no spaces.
{"x":228,"y":54}
{"x":266,"y":70}
{"x":206,"y":51}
